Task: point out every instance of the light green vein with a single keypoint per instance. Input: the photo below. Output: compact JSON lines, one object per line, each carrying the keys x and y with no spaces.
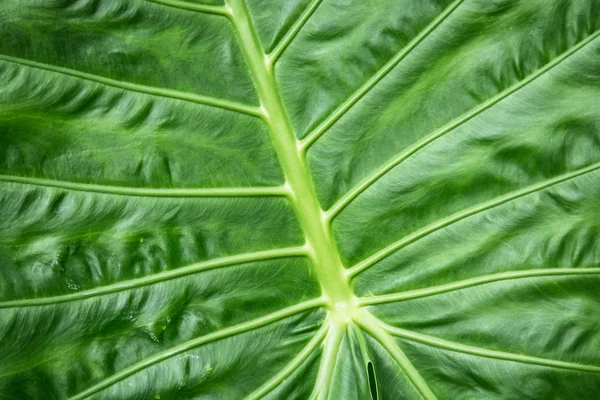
{"x":328,"y":361}
{"x":291,"y":367}
{"x":159,"y":277}
{"x":380,"y":172}
{"x":372,"y":326}
{"x":483,"y":352}
{"x":363,"y":90}
{"x":149,"y":192}
{"x":328,"y":265}
{"x":480,"y":280}
{"x":291,"y":34}
{"x":191,"y":344}
{"x":413,"y":237}
{"x":134,"y":87}
{"x":201,"y":8}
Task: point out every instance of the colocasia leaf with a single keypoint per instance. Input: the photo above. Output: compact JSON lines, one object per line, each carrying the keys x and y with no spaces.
{"x":299,"y":199}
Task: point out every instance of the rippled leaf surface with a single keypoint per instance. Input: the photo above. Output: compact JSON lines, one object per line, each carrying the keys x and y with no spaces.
{"x":334,"y":199}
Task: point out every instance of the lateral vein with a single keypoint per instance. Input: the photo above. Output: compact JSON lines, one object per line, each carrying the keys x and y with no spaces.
{"x":419,"y":234}
{"x":291,"y":34}
{"x":191,"y":344}
{"x":386,"y":69}
{"x":380,"y":172}
{"x":483,"y":352}
{"x":134,"y":87}
{"x":159,"y":277}
{"x":373,"y":326}
{"x":291,"y":366}
{"x":148,"y":192}
{"x":480,"y":280}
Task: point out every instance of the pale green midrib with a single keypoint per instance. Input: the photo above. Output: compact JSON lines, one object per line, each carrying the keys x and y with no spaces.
{"x":327,"y":262}
{"x":387,"y":167}
{"x":201,"y":8}
{"x":372,"y":326}
{"x":148,"y":192}
{"x":191,"y":344}
{"x":291,"y":34}
{"x":480,"y":280}
{"x":419,"y":234}
{"x":331,"y":349}
{"x":291,"y":367}
{"x":382,"y":73}
{"x":483,"y":352}
{"x":160,"y":277}
{"x":134,"y":87}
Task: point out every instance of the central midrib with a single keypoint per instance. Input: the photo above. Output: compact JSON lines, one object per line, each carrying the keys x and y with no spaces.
{"x":324,"y":253}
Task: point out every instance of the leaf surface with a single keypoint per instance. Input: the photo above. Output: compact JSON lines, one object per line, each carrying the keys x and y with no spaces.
{"x":304,"y":199}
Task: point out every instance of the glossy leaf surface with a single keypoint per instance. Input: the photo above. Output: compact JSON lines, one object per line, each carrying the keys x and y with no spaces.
{"x":327,"y":199}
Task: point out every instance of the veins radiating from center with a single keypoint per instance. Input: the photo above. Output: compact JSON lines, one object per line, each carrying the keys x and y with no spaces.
{"x":343,"y":308}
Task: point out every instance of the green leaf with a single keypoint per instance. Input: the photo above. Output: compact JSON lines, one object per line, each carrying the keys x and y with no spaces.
{"x":299,"y":199}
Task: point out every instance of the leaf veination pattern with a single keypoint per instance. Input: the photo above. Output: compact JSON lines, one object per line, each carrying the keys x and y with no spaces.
{"x":482,"y":280}
{"x":199,"y":342}
{"x":371,"y":179}
{"x":464,"y":214}
{"x":345,"y":311}
{"x":360,"y":93}
{"x":173,"y":94}
{"x":160,"y":277}
{"x":146,"y":192}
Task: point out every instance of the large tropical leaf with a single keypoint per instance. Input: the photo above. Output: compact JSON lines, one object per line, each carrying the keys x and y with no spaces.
{"x":290,"y":199}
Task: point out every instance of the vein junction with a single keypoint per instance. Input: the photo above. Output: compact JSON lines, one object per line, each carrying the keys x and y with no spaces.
{"x":342,"y":305}
{"x":322,"y":249}
{"x":344,"y":309}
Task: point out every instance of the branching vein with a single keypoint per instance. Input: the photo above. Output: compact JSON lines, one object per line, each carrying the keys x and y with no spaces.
{"x":483,"y":352}
{"x":387,"y":167}
{"x":358,"y":268}
{"x":160,"y":277}
{"x":372,"y":325}
{"x":480,"y":280}
{"x":148,"y":192}
{"x":291,"y":34}
{"x":327,"y":262}
{"x":315,"y":342}
{"x":191,"y":344}
{"x":134,"y":87}
{"x":360,"y":93}
{"x":299,"y":188}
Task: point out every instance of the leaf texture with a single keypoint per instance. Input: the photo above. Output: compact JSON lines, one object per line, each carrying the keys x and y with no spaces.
{"x":303,"y":199}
